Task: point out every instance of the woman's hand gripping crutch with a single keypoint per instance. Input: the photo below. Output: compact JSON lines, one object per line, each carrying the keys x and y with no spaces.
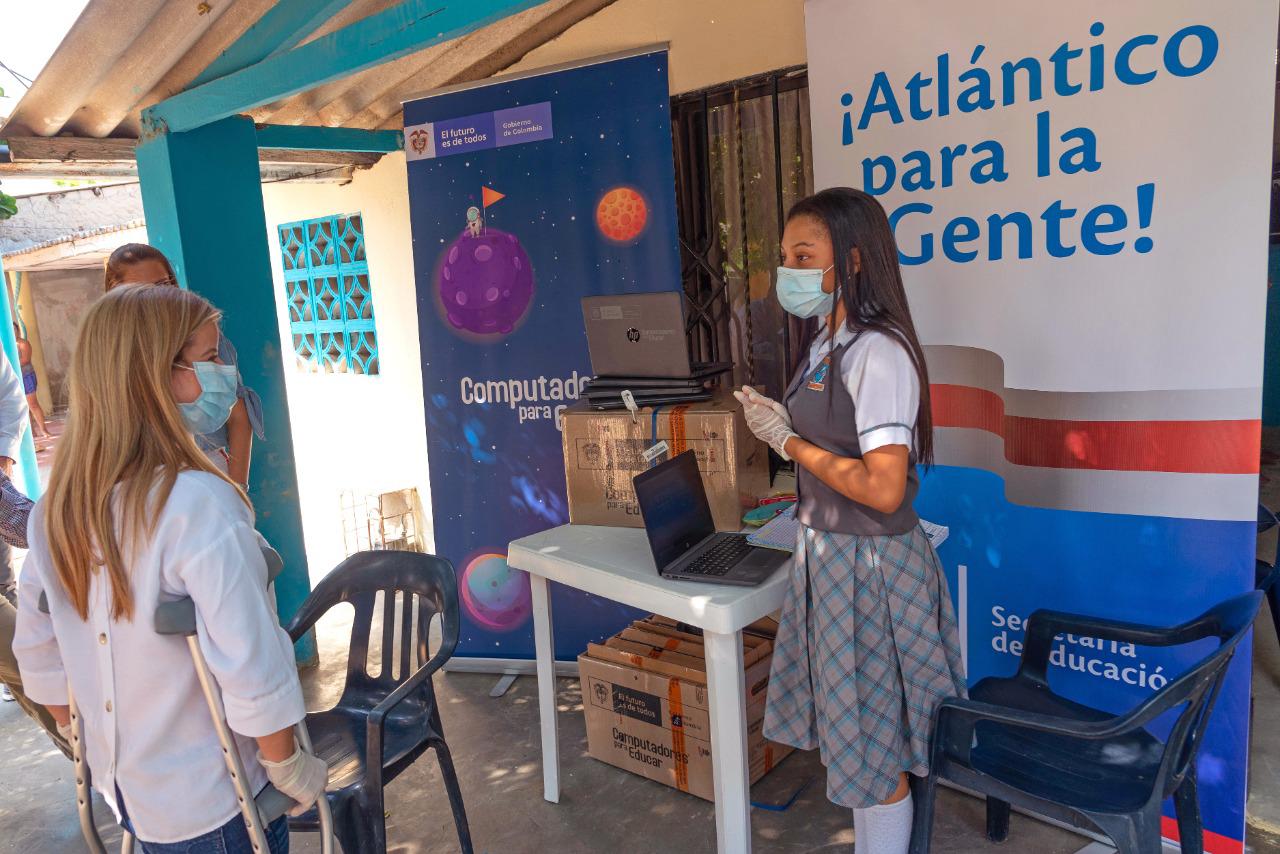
{"x":179,"y":618}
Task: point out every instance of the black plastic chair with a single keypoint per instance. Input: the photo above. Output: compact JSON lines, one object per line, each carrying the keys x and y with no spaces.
{"x":383,"y":723}
{"x":1267,"y":575}
{"x":1018,"y":743}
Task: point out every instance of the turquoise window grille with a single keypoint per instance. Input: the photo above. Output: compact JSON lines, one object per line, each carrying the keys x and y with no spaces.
{"x":326,"y":280}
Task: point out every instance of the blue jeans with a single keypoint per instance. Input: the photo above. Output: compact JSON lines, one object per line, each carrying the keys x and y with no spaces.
{"x":231,"y":838}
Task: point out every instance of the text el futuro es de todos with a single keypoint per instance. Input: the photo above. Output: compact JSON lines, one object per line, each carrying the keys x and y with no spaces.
{"x":979,"y":82}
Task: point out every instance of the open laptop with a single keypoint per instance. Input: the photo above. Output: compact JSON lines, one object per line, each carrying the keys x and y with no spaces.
{"x":683,"y":536}
{"x":640,"y":335}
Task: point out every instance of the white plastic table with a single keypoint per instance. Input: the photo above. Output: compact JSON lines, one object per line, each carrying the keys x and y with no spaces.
{"x":616,"y":563}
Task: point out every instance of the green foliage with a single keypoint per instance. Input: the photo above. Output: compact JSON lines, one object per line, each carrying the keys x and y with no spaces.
{"x":8,"y":206}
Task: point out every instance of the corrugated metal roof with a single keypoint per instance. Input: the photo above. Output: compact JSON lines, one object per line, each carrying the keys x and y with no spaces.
{"x":122,"y":56}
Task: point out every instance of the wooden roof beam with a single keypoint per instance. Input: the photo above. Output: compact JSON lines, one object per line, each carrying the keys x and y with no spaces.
{"x":127,"y":170}
{"x":304,"y":146}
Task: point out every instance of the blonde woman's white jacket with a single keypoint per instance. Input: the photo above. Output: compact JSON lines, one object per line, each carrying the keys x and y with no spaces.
{"x":148,"y":731}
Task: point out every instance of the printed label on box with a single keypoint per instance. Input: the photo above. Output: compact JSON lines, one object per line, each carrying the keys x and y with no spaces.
{"x":656,"y":451}
{"x":638,"y":705}
{"x":628,"y":455}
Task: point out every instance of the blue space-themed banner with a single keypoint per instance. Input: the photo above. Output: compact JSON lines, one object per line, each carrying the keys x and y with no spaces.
{"x":525,"y":196}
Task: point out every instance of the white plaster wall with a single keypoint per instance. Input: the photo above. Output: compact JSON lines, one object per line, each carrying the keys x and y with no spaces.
{"x":356,"y":432}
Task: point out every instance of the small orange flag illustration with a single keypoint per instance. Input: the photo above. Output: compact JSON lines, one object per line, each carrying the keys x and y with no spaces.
{"x":489,"y":196}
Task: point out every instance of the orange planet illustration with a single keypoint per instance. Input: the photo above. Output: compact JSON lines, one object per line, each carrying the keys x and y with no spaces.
{"x":622,"y":214}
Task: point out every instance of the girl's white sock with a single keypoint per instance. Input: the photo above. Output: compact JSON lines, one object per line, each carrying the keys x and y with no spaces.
{"x":861,"y":843}
{"x":884,"y":829}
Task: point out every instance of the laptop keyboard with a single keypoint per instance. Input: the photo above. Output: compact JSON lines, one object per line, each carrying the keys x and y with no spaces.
{"x":721,"y":557}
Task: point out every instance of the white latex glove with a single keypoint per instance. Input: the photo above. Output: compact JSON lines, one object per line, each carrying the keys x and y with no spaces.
{"x":301,"y":777}
{"x":750,"y":394}
{"x":767,"y":419}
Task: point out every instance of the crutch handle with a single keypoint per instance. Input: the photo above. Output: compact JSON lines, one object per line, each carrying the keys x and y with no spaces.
{"x":272,"y":803}
{"x":176,"y":618}
{"x":275,"y":563}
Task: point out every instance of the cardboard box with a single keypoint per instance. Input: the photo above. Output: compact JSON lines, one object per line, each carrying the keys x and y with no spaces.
{"x":603,"y":451}
{"x":647,"y":711}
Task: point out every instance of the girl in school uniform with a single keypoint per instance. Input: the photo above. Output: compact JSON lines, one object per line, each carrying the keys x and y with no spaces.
{"x":136,"y":515}
{"x":867,"y":645}
{"x":227,"y":439}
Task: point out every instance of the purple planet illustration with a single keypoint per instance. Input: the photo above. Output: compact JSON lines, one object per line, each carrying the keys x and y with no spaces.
{"x":485,"y":282}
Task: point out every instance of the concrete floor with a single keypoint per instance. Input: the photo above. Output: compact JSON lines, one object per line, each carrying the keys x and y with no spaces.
{"x":495,"y":744}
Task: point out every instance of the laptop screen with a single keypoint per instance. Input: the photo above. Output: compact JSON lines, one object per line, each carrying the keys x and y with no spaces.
{"x":641,"y":335}
{"x":674,"y":505}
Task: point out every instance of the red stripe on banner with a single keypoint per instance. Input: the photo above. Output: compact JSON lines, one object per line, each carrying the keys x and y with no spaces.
{"x":1214,"y":843}
{"x":1203,"y":447}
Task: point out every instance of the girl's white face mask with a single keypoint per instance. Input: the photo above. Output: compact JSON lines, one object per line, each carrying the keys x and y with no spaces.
{"x":800,"y":292}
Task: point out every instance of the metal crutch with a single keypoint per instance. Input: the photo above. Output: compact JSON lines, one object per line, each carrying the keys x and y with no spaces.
{"x":178,"y":618}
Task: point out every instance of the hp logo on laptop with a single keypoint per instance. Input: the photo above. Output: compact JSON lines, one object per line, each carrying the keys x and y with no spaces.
{"x":633,"y":335}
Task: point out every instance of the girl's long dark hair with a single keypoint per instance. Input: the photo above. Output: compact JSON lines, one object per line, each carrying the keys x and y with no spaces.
{"x":874,"y":298}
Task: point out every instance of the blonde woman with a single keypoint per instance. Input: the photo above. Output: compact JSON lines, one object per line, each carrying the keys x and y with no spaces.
{"x":136,"y":515}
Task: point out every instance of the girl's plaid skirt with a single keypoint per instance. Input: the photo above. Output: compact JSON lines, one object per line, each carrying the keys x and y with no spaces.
{"x":867,"y":647}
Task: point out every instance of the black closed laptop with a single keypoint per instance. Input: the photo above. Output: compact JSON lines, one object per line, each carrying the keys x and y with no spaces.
{"x":682,"y":534}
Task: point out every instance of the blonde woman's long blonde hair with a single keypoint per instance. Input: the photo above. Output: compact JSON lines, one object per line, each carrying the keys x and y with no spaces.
{"x":123,"y":430}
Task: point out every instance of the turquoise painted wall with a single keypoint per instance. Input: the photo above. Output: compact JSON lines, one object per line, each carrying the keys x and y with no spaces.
{"x":202,"y":196}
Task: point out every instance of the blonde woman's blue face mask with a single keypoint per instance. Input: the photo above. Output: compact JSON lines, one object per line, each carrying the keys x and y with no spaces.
{"x":204,"y":388}
{"x":209,"y":411}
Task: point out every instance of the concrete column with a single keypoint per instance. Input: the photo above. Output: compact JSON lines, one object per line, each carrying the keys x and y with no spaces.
{"x":202,"y":196}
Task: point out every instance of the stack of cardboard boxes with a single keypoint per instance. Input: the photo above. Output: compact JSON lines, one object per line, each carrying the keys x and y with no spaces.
{"x":645,"y":695}
{"x":645,"y":689}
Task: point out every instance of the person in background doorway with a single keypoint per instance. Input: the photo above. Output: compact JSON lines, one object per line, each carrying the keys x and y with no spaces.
{"x":868,"y":643}
{"x":38,"y":429}
{"x":229,"y":443}
{"x":135,"y":515}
